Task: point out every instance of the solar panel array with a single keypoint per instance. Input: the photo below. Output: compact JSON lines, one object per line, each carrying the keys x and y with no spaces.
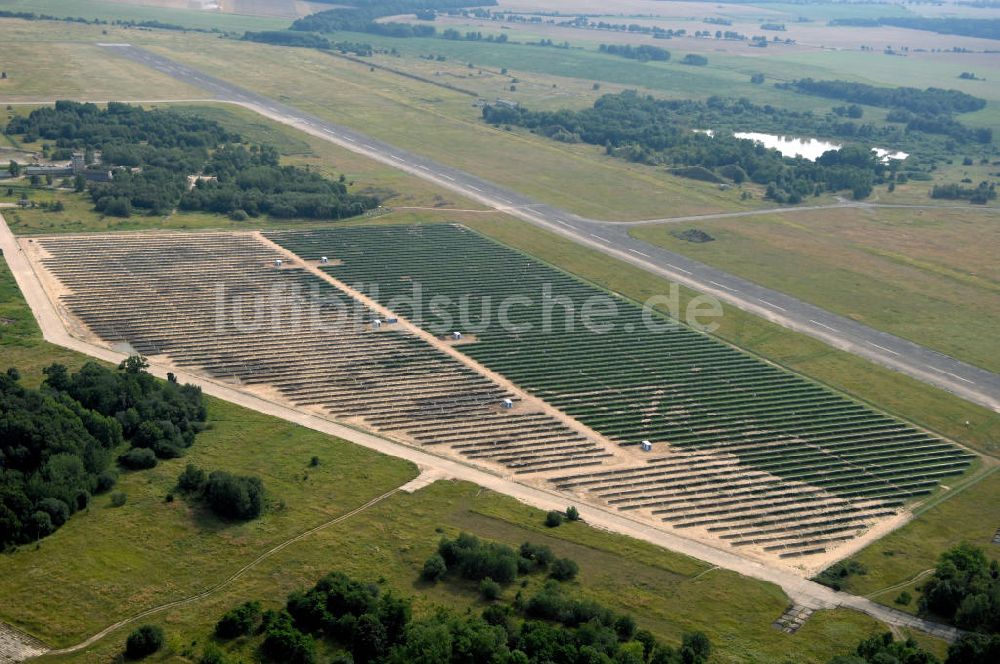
{"x":755,"y":454}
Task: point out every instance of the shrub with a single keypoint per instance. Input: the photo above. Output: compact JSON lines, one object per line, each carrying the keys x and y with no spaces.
{"x":904,"y":598}
{"x":572,"y":513}
{"x":537,"y":555}
{"x":235,"y":496}
{"x":118,"y":498}
{"x":240,"y":621}
{"x":434,"y":568}
{"x":475,"y":560}
{"x":138,"y":458}
{"x":191,"y":480}
{"x":837,"y":574}
{"x":553,"y":519}
{"x":564,"y":569}
{"x":489,"y":589}
{"x":212,"y":654}
{"x":144,"y":641}
{"x":284,"y":643}
{"x":695,"y":647}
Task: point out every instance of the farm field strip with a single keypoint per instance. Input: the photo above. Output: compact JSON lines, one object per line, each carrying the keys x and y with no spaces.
{"x":735,"y":430}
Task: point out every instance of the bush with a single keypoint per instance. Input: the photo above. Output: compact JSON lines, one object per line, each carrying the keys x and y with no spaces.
{"x":212,"y":654}
{"x":105,"y":481}
{"x":118,"y":498}
{"x":904,"y":598}
{"x":836,"y":575}
{"x":538,"y":555}
{"x":475,"y":560}
{"x":434,"y":568}
{"x":138,"y":458}
{"x":240,"y":621}
{"x":191,"y":480}
{"x":553,"y":519}
{"x":572,"y":513}
{"x":489,"y":589}
{"x":144,"y":641}
{"x":235,"y":496}
{"x":564,"y":569}
{"x":695,"y":648}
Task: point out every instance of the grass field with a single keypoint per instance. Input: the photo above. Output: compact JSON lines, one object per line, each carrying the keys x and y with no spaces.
{"x":930,"y":276}
{"x":45,"y":59}
{"x":125,"y":11}
{"x":150,"y":551}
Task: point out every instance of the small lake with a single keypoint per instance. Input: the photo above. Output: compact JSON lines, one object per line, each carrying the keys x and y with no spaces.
{"x":808,"y":148}
{"x":789,"y":146}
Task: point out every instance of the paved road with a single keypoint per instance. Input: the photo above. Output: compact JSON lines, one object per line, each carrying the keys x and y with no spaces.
{"x":967,"y":381}
{"x":799,"y":590}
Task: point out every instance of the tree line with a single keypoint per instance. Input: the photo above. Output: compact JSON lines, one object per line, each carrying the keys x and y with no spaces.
{"x":364,"y":18}
{"x":929,"y":111}
{"x":364,"y":625}
{"x":981,"y":194}
{"x":985,"y":28}
{"x":662,"y":132}
{"x":931,"y":101}
{"x":643,"y":53}
{"x":153,"y":153}
{"x":58,"y":442}
{"x":308,"y":40}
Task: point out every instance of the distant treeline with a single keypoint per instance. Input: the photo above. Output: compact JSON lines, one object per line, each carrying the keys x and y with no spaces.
{"x":307,"y":40}
{"x":153,"y":153}
{"x":57,"y":442}
{"x":159,"y":25}
{"x":642,"y":53}
{"x":985,"y":28}
{"x":982,"y":194}
{"x":929,"y":111}
{"x":364,"y":18}
{"x":931,"y":101}
{"x":661,"y":132}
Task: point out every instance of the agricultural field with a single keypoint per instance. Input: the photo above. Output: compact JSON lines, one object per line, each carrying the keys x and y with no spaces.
{"x":58,"y":595}
{"x":926,"y":275}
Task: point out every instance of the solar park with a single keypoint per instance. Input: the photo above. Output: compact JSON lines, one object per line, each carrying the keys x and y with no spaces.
{"x":669,"y":425}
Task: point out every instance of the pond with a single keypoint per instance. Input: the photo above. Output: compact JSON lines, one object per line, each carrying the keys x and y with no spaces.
{"x":808,"y":148}
{"x":789,"y":146}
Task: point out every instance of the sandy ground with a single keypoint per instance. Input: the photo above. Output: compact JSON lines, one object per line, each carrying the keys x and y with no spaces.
{"x":800,"y":590}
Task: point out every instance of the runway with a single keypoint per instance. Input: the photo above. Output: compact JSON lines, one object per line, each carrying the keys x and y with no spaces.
{"x":962,"y":379}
